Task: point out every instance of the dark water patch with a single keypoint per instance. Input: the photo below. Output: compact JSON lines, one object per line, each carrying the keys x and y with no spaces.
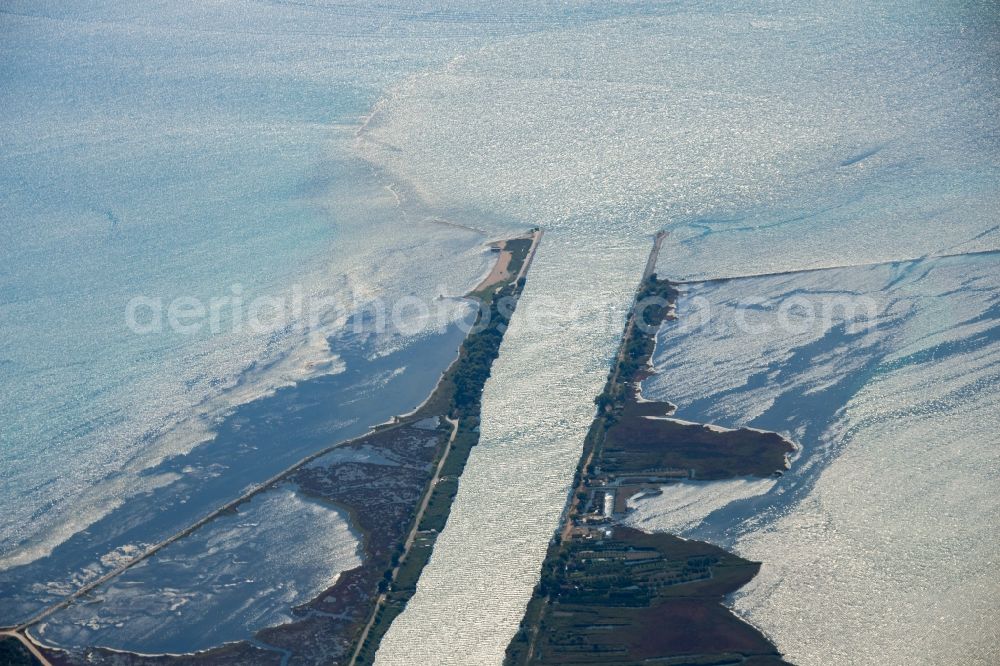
{"x":854,"y":159}
{"x":811,"y":413}
{"x":808,"y":414}
{"x":254,"y":442}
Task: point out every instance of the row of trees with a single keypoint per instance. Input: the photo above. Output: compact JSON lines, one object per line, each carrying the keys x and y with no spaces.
{"x":479,"y":350}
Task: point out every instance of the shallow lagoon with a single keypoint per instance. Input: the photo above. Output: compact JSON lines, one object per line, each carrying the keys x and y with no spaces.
{"x":236,"y":575}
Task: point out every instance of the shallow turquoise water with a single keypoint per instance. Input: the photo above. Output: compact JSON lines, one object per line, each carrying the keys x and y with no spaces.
{"x":165,"y":152}
{"x":203,"y":151}
{"x":191,"y":150}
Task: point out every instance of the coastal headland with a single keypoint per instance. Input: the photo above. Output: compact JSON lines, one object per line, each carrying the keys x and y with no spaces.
{"x":396,"y":484}
{"x":610,"y":594}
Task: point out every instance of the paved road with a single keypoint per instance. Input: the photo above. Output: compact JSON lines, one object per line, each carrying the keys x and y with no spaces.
{"x":28,"y":644}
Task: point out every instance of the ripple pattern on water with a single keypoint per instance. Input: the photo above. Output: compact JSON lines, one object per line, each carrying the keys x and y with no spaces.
{"x":886,"y":521}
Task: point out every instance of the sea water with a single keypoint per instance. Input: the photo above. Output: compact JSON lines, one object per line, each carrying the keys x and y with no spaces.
{"x":191,"y":151}
{"x":170,"y":152}
{"x":162,"y":150}
{"x":194,"y":152}
{"x":885,"y":520}
{"x":763,"y":137}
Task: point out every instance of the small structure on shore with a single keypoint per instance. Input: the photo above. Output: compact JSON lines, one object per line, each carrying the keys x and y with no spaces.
{"x":609,"y":503}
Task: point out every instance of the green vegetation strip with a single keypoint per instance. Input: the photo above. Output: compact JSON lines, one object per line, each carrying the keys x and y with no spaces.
{"x":459,"y":395}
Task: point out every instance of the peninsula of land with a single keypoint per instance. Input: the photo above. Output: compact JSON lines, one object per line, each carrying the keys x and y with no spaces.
{"x":396,"y":484}
{"x":610,"y":594}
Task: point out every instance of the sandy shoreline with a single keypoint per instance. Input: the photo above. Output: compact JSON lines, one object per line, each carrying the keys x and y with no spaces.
{"x":501,"y":269}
